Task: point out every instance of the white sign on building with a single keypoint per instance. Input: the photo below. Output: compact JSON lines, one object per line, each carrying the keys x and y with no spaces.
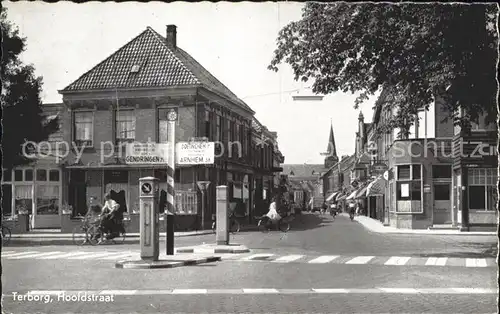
{"x":195,"y":153}
{"x":146,"y":153}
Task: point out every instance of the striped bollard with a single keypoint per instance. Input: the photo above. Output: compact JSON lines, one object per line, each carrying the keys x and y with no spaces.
{"x":171,"y":117}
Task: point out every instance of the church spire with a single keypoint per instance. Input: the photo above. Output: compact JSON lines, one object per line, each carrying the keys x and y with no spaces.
{"x":331,"y":150}
{"x":331,"y":155}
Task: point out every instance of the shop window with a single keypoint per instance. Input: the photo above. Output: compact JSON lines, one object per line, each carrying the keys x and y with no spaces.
{"x":476,"y":197}
{"x":54,"y":175}
{"x":47,"y":200}
{"x":442,"y":192}
{"x":409,"y":191}
{"x":404,"y":172}
{"x":482,"y":188}
{"x":18,"y":175}
{"x":83,"y":128}
{"x":416,"y":172}
{"x":6,"y":199}
{"x":441,"y":172}
{"x":24,"y":198}
{"x":116,"y":176}
{"x":28,"y":175}
{"x":177,"y":175}
{"x":41,"y":175}
{"x":7,"y":176}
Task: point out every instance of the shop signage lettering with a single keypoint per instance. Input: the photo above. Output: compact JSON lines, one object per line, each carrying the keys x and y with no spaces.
{"x":146,"y":153}
{"x":195,"y":153}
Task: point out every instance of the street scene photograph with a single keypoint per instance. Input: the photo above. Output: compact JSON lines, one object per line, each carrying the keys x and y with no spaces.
{"x":222,"y":157}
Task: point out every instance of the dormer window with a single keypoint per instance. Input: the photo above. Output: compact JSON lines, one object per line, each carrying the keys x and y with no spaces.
{"x":135,"y":69}
{"x":291,"y":173}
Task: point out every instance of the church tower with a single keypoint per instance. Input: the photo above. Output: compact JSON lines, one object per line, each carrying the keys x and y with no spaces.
{"x":331,"y":152}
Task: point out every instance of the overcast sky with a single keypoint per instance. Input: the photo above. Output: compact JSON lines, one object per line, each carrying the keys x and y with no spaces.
{"x":234,"y":41}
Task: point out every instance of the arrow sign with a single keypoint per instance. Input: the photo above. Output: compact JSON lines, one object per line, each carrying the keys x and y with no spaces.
{"x":203,"y":185}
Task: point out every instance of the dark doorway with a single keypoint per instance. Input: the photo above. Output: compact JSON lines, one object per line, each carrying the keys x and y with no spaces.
{"x":77,"y":197}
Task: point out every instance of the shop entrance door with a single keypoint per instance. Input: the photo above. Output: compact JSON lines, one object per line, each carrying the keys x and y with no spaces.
{"x":442,"y":203}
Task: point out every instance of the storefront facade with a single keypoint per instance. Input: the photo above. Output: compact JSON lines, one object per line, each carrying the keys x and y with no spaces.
{"x":475,"y":178}
{"x":37,"y":190}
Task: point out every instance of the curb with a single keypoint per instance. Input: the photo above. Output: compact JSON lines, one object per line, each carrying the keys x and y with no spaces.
{"x":161,"y":264}
{"x":383,"y":230}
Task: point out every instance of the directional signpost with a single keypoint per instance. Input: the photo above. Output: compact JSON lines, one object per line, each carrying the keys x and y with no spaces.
{"x":203,"y":186}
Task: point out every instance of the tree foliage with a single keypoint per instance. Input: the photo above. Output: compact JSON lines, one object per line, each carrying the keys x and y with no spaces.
{"x":22,"y":115}
{"x":413,"y":51}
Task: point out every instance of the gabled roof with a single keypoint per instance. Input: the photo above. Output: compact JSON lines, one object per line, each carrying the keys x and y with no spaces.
{"x":303,"y":170}
{"x":158,"y":65}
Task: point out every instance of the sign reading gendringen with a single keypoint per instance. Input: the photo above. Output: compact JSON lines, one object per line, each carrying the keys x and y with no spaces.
{"x":146,"y":153}
{"x":195,"y":153}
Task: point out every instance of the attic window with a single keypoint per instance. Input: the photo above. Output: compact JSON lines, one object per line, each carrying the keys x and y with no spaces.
{"x":291,"y":173}
{"x":313,"y":172}
{"x":135,"y":69}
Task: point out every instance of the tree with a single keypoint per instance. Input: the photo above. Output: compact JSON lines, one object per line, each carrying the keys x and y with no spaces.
{"x":22,"y":116}
{"x":412,"y":51}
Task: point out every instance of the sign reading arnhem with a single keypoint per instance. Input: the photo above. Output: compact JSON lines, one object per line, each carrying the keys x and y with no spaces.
{"x":147,"y":153}
{"x":195,"y":153}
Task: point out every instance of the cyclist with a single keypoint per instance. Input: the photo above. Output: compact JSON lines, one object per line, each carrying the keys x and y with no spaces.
{"x":111,"y":217}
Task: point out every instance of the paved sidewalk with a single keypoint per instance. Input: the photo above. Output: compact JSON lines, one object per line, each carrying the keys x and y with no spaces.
{"x":376,"y":226}
{"x":58,"y":235}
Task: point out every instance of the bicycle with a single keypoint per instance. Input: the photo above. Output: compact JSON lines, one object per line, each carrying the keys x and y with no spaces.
{"x":265,"y":223}
{"x":84,"y":228}
{"x":96,"y":232}
{"x":6,"y":234}
{"x":234,"y":224}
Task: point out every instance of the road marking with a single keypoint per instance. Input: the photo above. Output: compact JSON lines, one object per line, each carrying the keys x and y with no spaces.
{"x":397,"y":260}
{"x":475,"y":262}
{"x":18,"y":254}
{"x":189,"y":291}
{"x":119,"y":292}
{"x":376,"y":290}
{"x":65,"y":255}
{"x":260,"y":291}
{"x":36,"y":255}
{"x":7,"y":252}
{"x":400,"y":290}
{"x":330,"y":291}
{"x":288,"y":258}
{"x":90,"y":256}
{"x":117,"y":255}
{"x":360,"y":260}
{"x":436,"y":261}
{"x":256,"y":256}
{"x":323,"y":259}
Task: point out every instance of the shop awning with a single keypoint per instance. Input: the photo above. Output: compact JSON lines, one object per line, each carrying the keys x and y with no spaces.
{"x":361,"y":192}
{"x":332,"y":196}
{"x":352,"y":195}
{"x":341,"y":197}
{"x":377,"y":187}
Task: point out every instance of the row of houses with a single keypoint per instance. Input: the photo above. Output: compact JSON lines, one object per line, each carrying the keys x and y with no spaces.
{"x":439,"y":176}
{"x":124,"y":99}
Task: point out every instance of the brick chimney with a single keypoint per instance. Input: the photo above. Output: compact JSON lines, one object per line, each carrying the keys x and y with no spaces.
{"x":172,"y":36}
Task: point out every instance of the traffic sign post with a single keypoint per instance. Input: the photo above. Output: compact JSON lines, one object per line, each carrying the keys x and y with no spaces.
{"x":149,"y":218}
{"x":172,"y":118}
{"x":203,"y":186}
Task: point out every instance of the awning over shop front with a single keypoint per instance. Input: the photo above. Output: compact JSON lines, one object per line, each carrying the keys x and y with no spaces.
{"x":332,"y":196}
{"x":352,"y":195}
{"x":361,"y":192}
{"x":377,"y":187}
{"x":341,"y":197}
